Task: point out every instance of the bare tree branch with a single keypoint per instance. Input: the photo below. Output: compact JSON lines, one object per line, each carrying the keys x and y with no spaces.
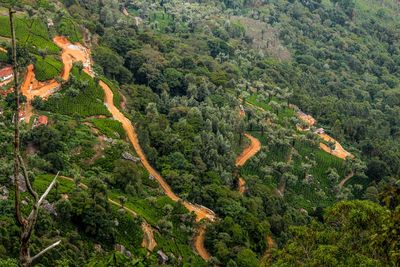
{"x":47,"y":190}
{"x":45,"y":250}
{"x":27,"y":182}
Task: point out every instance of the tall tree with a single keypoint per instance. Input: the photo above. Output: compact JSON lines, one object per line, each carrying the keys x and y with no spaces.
{"x":26,"y":224}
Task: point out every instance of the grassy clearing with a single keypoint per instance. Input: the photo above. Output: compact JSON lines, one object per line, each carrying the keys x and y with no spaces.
{"x":48,"y":68}
{"x":149,"y":210}
{"x":88,"y":101}
{"x":42,"y":182}
{"x":109,"y":127}
{"x":163,"y":20}
{"x":284,"y":112}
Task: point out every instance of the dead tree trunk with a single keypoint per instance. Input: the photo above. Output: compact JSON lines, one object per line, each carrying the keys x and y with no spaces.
{"x":26,"y":224}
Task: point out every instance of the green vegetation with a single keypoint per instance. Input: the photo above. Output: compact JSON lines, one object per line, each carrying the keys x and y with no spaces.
{"x":67,"y":27}
{"x":3,"y":57}
{"x":80,"y":97}
{"x":32,"y":33}
{"x":47,"y":68}
{"x":109,"y":127}
{"x":187,"y":68}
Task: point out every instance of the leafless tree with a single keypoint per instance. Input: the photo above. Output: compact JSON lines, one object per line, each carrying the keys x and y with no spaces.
{"x":26,"y":224}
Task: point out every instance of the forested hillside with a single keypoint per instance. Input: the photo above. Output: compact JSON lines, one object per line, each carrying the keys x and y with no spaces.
{"x":203,"y":133}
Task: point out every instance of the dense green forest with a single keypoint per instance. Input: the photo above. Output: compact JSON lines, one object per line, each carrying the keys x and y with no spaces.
{"x":182,"y":72}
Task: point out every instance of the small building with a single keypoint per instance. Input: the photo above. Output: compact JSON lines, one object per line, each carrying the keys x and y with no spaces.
{"x":50,"y":23}
{"x":42,"y":120}
{"x":21,"y":115}
{"x":6,"y":74}
{"x":320,"y":131}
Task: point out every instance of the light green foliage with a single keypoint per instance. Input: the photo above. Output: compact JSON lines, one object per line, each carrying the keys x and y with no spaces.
{"x":30,"y":32}
{"x":47,"y":68}
{"x":109,"y":127}
{"x":67,"y":27}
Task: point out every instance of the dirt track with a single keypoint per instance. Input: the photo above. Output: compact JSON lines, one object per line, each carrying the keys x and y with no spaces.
{"x":31,"y":88}
{"x":267,"y":252}
{"x":199,"y":243}
{"x":200,"y":211}
{"x":348,"y":177}
{"x":247,"y":153}
{"x":339,"y":151}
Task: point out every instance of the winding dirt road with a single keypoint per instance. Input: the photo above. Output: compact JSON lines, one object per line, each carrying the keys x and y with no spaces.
{"x":247,"y":153}
{"x":31,"y":87}
{"x":200,"y":211}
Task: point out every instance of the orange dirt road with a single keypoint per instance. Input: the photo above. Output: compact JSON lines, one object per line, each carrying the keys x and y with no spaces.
{"x":339,"y":151}
{"x":241,"y":185}
{"x":200,"y":211}
{"x":267,"y":252}
{"x":247,"y":153}
{"x":148,"y":239}
{"x":199,"y":243}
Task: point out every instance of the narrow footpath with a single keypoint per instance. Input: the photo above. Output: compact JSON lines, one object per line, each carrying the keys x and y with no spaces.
{"x":348,"y":177}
